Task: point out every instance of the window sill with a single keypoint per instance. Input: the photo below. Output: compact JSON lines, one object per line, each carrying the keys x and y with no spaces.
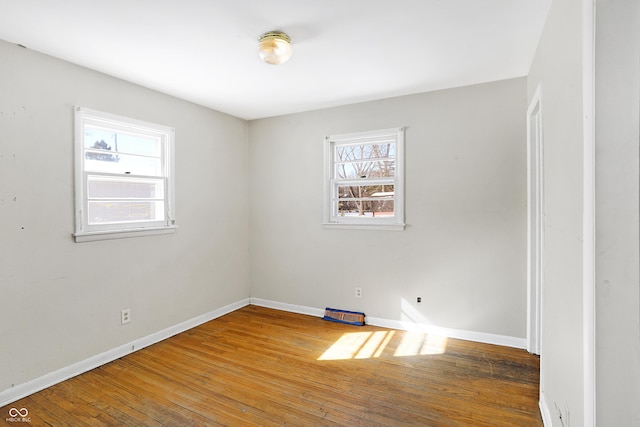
{"x":93,"y":236}
{"x":353,"y":226}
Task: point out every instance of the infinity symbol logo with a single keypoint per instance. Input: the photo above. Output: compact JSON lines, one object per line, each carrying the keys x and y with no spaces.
{"x":23,"y":412}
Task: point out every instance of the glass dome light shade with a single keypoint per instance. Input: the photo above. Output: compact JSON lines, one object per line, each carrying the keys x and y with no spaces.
{"x":275,"y":48}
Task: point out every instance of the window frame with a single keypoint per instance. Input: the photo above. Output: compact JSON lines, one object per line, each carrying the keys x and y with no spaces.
{"x":85,"y":232}
{"x":330,"y":218}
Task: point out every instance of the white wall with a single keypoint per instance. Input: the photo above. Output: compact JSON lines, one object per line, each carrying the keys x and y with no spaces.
{"x":464,"y":248}
{"x":557,"y":67}
{"x":617,"y":217}
{"x":61,"y":300}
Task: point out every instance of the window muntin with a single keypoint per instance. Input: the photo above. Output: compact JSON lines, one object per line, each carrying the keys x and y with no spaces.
{"x":124,"y":175}
{"x":364,"y":182}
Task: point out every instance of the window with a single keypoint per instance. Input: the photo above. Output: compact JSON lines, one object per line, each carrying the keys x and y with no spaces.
{"x":364,"y":182}
{"x":124,"y":177}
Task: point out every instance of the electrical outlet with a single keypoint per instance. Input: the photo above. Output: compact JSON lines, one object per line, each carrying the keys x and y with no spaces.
{"x":125,"y":316}
{"x":358,"y":292}
{"x":419,"y":299}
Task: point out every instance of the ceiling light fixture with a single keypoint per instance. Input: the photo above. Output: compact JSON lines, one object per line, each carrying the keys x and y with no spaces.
{"x":275,"y":47}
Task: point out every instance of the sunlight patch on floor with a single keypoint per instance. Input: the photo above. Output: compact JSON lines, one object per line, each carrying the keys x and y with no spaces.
{"x":366,"y":345}
{"x":417,"y":343}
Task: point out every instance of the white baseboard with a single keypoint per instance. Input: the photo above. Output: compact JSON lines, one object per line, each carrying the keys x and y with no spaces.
{"x":22,"y":390}
{"x":482,"y":337}
{"x":301,"y":309}
{"x":461,"y":334}
{"x":544,"y":410}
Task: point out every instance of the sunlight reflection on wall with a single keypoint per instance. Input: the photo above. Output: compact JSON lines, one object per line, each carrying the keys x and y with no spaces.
{"x":411,"y":319}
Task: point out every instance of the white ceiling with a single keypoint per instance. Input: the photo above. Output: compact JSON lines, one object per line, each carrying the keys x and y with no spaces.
{"x":344,"y":51}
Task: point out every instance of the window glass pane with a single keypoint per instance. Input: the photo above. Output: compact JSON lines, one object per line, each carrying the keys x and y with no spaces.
{"x":102,"y":161}
{"x":365,"y":200}
{"x":366,"y":208}
{"x":350,"y":153}
{"x":378,"y":169}
{"x":122,"y":188}
{"x":108,"y":212}
{"x":120,"y":142}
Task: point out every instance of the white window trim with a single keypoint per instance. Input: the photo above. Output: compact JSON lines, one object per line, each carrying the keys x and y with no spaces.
{"x":82,"y":233}
{"x":333,"y":222}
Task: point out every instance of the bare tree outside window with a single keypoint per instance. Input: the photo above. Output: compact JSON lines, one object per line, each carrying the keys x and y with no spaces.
{"x":101,"y":155}
{"x":364,"y":186}
{"x":365,"y":162}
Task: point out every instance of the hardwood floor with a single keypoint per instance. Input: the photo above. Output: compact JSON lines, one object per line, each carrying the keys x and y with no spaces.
{"x":263,"y":367}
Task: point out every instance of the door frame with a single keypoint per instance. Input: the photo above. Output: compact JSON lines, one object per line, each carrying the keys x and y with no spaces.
{"x":535,"y":223}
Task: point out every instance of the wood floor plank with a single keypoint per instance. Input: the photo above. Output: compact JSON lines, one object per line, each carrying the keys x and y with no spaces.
{"x":263,"y":367}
